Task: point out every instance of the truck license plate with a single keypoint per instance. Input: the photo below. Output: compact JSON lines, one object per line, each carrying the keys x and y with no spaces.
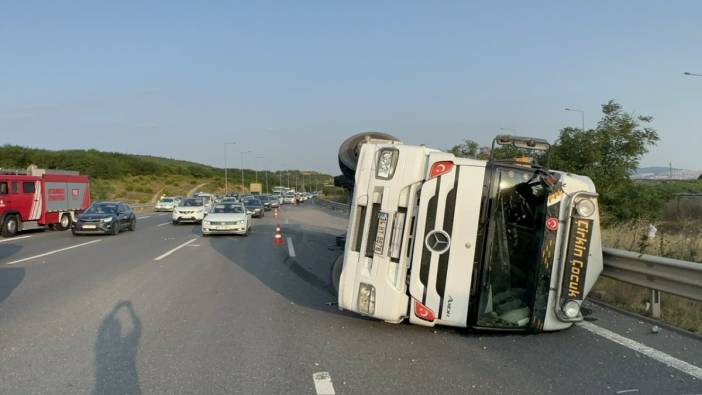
{"x":380,"y":235}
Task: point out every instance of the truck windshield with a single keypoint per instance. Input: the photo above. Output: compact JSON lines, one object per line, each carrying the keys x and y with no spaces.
{"x":517,"y":210}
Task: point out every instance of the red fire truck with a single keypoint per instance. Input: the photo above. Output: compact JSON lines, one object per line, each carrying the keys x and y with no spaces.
{"x":37,"y":198}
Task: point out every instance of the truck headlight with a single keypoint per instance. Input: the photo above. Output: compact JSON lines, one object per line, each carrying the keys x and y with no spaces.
{"x":366,"y":299}
{"x":387,"y":160}
{"x":571,"y":309}
{"x":585,"y":208}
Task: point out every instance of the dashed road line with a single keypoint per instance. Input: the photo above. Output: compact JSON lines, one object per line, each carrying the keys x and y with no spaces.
{"x":163,"y":224}
{"x":144,"y":217}
{"x":291,"y":248}
{"x":323,"y":383}
{"x":169,"y":252}
{"x":14,"y":238}
{"x":652,"y":353}
{"x":53,"y":252}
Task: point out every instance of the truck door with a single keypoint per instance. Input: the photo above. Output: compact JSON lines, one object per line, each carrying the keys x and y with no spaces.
{"x":24,"y":197}
{"x":5,"y":197}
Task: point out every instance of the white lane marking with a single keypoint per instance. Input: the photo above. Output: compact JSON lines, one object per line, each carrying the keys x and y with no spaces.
{"x":53,"y":252}
{"x":652,"y":353}
{"x":163,"y":224}
{"x":291,"y":248}
{"x":323,"y":383}
{"x":167,"y":253}
{"x":14,"y":238}
{"x":144,"y":217}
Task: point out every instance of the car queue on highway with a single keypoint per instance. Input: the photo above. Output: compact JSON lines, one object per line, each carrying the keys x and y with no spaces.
{"x":216,"y":214}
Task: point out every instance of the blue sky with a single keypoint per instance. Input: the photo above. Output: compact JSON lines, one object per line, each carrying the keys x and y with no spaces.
{"x":290,"y":80}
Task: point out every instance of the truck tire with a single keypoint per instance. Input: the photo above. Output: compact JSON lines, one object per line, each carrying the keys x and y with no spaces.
{"x":10,"y":226}
{"x":64,"y":222}
{"x":351,"y":147}
{"x":336,"y":272}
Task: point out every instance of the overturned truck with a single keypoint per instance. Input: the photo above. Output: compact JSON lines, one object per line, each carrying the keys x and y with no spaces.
{"x":503,"y":244}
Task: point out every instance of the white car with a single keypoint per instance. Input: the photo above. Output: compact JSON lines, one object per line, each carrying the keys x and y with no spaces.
{"x":189,"y":210}
{"x":165,"y":204}
{"x":227,"y":219}
{"x":289,"y":198}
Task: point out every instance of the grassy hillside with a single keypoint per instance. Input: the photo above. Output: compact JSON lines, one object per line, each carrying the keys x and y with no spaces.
{"x":137,"y":178}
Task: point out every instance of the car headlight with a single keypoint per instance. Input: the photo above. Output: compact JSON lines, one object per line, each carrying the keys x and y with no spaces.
{"x":108,"y":219}
{"x":366,"y":299}
{"x":571,"y":309}
{"x":205,"y":222}
{"x":585,"y":208}
{"x":387,"y":160}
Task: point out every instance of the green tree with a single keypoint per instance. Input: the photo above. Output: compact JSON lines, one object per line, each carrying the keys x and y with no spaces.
{"x":467,"y":149}
{"x":608,"y":154}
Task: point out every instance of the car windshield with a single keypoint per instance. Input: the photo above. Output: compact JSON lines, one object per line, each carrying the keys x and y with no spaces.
{"x":252,"y":202}
{"x":192,"y":203}
{"x":514,"y":233}
{"x":166,"y":200}
{"x":228,"y":209}
{"x":102,"y":209}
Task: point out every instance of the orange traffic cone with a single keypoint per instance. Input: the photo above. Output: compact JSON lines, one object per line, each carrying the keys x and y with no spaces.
{"x":275,"y":213}
{"x":278,"y":237}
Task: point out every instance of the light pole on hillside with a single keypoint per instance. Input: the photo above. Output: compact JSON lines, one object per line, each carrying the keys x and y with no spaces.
{"x":256,"y":165}
{"x":582,"y":116}
{"x":226,"y":179}
{"x":242,"y":169}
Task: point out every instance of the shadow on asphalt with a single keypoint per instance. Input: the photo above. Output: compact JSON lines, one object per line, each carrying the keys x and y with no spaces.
{"x":8,"y":249}
{"x":116,"y":350}
{"x":10,"y":278}
{"x":273,"y":266}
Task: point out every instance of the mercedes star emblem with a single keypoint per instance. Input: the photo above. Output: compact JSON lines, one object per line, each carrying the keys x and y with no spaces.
{"x":438,"y":241}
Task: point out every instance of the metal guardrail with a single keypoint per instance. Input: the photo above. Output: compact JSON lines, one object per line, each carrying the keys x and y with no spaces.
{"x":332,"y":205}
{"x":669,"y":275}
{"x":657,"y":273}
{"x":141,"y":206}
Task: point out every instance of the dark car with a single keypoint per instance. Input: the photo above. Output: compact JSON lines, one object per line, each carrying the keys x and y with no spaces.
{"x":253,"y":206}
{"x":105,"y":217}
{"x":266,"y":200}
{"x":274,"y":201}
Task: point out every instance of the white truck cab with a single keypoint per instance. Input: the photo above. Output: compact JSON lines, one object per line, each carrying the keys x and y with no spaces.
{"x":437,"y":239}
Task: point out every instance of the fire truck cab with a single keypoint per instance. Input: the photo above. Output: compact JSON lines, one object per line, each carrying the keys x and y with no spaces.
{"x":38,"y":198}
{"x":441,"y":240}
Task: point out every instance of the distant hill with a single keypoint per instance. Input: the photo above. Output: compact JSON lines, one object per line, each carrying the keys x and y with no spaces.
{"x":663,"y":172}
{"x":114,"y":165}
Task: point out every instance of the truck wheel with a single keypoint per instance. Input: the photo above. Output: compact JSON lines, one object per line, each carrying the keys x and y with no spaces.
{"x":336,"y":272}
{"x":351,"y":148}
{"x":11,"y":226}
{"x":64,"y":222}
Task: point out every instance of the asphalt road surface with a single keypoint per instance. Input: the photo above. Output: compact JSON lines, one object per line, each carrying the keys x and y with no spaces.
{"x":101,"y":314}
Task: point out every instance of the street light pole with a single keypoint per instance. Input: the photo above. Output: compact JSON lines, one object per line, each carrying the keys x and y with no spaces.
{"x":242,"y":169}
{"x":255,"y":164}
{"x":225,"y":165}
{"x":582,"y":116}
